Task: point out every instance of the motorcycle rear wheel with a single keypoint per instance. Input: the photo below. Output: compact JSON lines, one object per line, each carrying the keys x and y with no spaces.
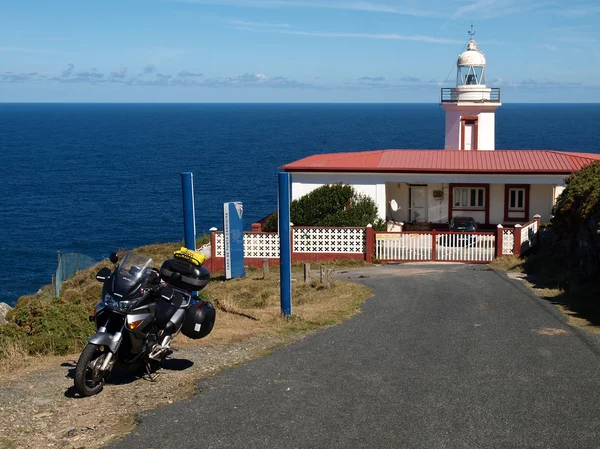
{"x":89,"y":380}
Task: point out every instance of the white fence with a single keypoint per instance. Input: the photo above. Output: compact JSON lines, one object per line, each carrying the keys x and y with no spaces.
{"x":529,"y":234}
{"x":329,"y":240}
{"x":403,"y":246}
{"x":435,"y":246}
{"x":508,"y":242}
{"x":265,"y":245}
{"x":464,"y":246}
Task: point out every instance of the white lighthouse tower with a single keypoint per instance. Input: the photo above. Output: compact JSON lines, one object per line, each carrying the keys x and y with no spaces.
{"x":471,"y":105}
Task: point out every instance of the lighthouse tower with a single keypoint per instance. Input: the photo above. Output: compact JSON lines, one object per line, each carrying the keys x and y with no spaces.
{"x":471,"y":105}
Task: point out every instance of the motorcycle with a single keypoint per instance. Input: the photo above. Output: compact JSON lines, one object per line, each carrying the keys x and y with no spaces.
{"x":141,"y":310}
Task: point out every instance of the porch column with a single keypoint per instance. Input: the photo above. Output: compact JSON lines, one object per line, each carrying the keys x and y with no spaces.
{"x":381,"y":201}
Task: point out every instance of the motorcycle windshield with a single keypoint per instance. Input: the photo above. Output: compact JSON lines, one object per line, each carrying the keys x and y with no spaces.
{"x":133,"y":270}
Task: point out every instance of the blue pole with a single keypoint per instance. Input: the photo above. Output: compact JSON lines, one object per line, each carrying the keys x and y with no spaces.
{"x":189,"y":213}
{"x":285,"y":253}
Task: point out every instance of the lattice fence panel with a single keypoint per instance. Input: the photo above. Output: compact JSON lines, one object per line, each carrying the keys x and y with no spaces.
{"x":508,"y":241}
{"x":220,"y":242}
{"x":329,"y":240}
{"x":261,"y":245}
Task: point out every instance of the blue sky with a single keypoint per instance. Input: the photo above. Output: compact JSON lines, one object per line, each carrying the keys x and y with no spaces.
{"x":293,"y":50}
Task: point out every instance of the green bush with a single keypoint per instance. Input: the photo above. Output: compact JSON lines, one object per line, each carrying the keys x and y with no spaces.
{"x":576,"y":226}
{"x":331,"y":205}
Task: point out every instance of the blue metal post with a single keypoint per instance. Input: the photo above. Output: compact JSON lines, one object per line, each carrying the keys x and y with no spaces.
{"x":189,"y":212}
{"x":285,"y":253}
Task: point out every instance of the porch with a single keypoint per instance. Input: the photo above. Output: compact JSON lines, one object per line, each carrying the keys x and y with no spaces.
{"x":431,"y":206}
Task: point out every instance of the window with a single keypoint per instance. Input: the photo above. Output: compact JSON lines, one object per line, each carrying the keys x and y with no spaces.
{"x":468,"y":198}
{"x":516,"y":199}
{"x":516,"y":202}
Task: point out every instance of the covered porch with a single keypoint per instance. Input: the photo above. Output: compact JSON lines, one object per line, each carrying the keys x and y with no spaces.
{"x":431,"y":205}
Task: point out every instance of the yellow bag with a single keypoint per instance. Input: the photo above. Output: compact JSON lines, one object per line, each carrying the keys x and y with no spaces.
{"x":190,"y":256}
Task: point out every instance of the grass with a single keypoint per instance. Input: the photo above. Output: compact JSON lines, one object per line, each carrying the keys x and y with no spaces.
{"x":44,"y":325}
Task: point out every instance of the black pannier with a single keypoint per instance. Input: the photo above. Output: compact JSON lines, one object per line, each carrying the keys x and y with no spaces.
{"x":199,"y":320}
{"x":182,"y":274}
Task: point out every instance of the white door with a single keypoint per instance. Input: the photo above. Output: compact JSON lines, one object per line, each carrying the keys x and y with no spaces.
{"x":469,"y":136}
{"x":418,"y":203}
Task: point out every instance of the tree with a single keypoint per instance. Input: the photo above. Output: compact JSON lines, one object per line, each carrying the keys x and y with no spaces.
{"x":576,"y":223}
{"x":331,"y":205}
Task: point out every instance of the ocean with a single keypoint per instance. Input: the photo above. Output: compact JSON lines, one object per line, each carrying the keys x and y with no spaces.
{"x":94,"y":178}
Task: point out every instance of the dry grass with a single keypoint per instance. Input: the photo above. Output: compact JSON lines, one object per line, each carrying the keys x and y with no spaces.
{"x":251,"y":306}
{"x":509,"y":263}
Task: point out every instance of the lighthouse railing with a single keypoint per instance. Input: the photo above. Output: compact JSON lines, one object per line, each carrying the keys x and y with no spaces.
{"x":485,"y":95}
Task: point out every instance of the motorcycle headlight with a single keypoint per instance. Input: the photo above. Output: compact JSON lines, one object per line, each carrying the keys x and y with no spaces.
{"x":126,"y":306}
{"x":110,"y":302}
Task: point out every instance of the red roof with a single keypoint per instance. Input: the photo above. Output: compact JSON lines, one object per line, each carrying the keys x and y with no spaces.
{"x":446,"y":161}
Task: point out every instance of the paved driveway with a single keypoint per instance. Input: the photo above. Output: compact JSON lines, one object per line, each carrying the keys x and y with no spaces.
{"x":444,"y":356}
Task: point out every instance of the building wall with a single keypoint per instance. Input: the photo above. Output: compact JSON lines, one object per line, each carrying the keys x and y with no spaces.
{"x":384,"y":187}
{"x":486,"y":139}
{"x":496,"y":203}
{"x":452,"y":129}
{"x":541,"y":200}
{"x":486,"y":132}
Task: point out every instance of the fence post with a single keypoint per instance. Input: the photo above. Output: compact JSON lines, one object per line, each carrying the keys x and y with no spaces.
{"x":434,"y":245}
{"x":293,"y":255}
{"x":369,"y":244}
{"x":499,"y":241}
{"x":517,"y":247}
{"x":213,"y":247}
{"x":256,"y":227}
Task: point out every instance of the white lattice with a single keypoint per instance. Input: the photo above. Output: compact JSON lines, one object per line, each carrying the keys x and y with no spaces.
{"x":508,"y":241}
{"x":329,"y":240}
{"x":220,"y":243}
{"x":261,"y":245}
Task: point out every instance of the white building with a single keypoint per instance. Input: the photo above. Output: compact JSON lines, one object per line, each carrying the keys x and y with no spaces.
{"x":469,"y":177}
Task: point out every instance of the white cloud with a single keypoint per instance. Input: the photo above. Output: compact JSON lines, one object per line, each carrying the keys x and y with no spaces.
{"x":367,"y":6}
{"x":385,"y":36}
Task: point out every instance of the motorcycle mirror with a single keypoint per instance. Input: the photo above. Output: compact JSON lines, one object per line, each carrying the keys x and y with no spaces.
{"x":103,"y":274}
{"x":113,"y":257}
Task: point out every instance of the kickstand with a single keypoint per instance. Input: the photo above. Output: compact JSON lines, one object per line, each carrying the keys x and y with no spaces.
{"x":149,"y":372}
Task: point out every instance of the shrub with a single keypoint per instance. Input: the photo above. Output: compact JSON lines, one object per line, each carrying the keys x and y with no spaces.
{"x":335,"y":205}
{"x":576,"y":225}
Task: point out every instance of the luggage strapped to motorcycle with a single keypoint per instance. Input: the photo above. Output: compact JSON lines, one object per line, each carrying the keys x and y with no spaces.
{"x":190,"y":256}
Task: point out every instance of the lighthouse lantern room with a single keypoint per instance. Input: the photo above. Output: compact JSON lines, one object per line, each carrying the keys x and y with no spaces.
{"x":471,"y":105}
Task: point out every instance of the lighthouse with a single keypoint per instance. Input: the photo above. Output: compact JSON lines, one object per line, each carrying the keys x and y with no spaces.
{"x":471,"y":105}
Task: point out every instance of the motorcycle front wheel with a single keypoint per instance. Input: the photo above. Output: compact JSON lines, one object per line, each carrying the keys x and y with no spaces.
{"x":89,"y":380}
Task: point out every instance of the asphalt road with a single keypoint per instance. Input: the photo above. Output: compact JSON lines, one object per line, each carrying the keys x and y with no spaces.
{"x":444,"y":356}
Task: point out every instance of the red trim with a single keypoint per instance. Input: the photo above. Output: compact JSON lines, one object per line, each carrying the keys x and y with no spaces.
{"x":499,"y":240}
{"x":463,"y":124}
{"x":525,"y":213}
{"x":486,"y":209}
{"x":370,"y":245}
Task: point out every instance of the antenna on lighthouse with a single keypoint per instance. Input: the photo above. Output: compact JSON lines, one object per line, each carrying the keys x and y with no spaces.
{"x":472,"y":31}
